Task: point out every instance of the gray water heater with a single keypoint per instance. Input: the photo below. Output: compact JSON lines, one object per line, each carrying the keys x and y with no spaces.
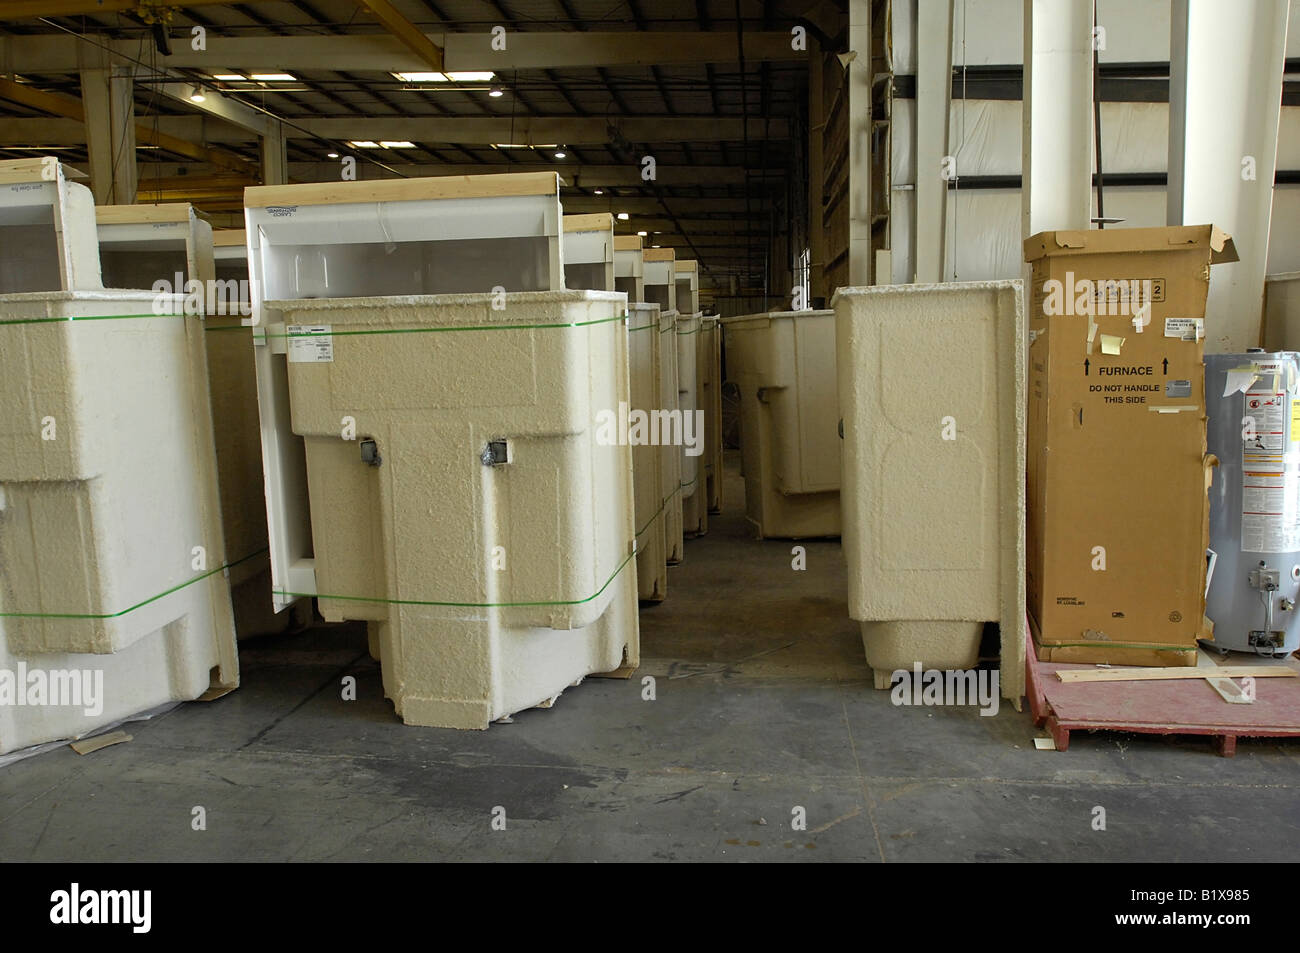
{"x":1253,"y":410}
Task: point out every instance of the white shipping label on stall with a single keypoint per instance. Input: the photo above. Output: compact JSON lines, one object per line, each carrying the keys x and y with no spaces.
{"x":310,"y":344}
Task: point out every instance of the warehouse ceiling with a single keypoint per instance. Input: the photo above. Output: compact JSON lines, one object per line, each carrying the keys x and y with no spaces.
{"x":656,"y":78}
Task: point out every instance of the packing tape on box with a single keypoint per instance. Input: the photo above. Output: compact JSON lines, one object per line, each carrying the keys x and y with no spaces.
{"x":1112,"y":344}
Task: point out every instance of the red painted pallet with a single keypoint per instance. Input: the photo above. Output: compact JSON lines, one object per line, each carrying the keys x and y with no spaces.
{"x":1174,"y":707}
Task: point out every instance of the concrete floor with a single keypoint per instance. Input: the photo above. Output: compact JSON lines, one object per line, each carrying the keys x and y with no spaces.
{"x":764,"y":704}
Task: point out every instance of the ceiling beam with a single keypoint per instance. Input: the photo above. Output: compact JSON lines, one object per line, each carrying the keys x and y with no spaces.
{"x":382,"y":53}
{"x":701,"y":240}
{"x":406,"y":32}
{"x":729,"y":227}
{"x":467,"y":130}
{"x":71,"y":112}
{"x":652,"y":206}
{"x":222,"y":107}
{"x":32,"y":9}
{"x":578,"y":176}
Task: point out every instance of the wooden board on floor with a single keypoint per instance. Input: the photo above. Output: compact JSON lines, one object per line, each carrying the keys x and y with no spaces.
{"x":1083,"y":674}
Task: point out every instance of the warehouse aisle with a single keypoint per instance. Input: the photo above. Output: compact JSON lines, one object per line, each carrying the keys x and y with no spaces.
{"x":762,"y":706}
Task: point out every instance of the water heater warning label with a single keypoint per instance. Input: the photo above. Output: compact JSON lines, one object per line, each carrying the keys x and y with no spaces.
{"x":1270,"y":476}
{"x":310,"y":344}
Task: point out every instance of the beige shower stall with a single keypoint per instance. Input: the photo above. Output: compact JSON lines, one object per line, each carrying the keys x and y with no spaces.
{"x":111,"y":545}
{"x":783,"y":362}
{"x":429,"y":396}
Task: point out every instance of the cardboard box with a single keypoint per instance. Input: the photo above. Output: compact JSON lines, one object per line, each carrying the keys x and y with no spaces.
{"x":1118,"y":510}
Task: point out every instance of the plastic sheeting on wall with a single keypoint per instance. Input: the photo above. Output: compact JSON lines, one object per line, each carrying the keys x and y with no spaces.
{"x":983,"y":231}
{"x":987,"y":32}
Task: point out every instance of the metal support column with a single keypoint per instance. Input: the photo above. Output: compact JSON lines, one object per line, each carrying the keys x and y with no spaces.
{"x":108,"y":95}
{"x":933,"y":99}
{"x":859,"y":133}
{"x":1225,"y":95}
{"x":1056,"y":140}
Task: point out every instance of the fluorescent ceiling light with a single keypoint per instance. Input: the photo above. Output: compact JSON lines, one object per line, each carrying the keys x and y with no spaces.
{"x":230,"y":77}
{"x":455,"y":76}
{"x":273,"y":77}
{"x":396,"y":144}
{"x":642,"y":234}
{"x":363,"y":144}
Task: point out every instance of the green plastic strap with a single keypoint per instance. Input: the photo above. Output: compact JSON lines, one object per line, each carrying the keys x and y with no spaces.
{"x":464,"y":327}
{"x":463,"y":605}
{"x":662,"y":506}
{"x":651,"y":521}
{"x":90,"y":317}
{"x":138,"y":605}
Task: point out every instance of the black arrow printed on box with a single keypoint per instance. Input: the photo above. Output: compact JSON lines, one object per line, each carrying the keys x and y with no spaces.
{"x":1086,"y":364}
{"x":1166,"y":363}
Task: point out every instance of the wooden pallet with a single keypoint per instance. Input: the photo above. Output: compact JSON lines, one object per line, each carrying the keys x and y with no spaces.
{"x":1169,"y":707}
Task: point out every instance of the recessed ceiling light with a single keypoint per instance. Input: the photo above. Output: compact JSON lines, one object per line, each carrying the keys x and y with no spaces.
{"x":642,"y":234}
{"x":455,"y":76}
{"x":623,"y":216}
{"x":331,"y":155}
{"x":273,"y":77}
{"x":560,"y":153}
{"x":600,"y":192}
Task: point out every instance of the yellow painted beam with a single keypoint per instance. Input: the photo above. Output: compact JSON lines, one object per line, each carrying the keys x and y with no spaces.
{"x":405,"y":31}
